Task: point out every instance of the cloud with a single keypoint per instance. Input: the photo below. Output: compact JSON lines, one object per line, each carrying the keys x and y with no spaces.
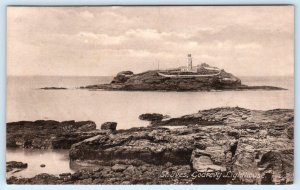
{"x":248,"y":46}
{"x":80,"y":40}
{"x":139,"y":53}
{"x":102,"y":39}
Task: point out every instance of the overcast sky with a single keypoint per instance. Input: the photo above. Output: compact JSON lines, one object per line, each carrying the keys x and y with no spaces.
{"x":105,"y":40}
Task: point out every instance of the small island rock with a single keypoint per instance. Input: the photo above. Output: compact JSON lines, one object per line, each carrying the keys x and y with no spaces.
{"x":151,"y":117}
{"x":109,"y":126}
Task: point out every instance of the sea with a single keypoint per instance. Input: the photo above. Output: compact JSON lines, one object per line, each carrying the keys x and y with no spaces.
{"x":26,"y":101}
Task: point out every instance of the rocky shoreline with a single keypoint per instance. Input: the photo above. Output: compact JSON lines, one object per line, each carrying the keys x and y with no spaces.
{"x":152,"y":81}
{"x":48,"y":134}
{"x":228,"y":145}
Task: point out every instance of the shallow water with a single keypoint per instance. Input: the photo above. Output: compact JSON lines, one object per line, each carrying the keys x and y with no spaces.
{"x":56,"y":161}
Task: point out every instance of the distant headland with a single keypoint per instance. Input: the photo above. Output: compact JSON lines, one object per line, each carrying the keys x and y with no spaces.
{"x":201,"y":77}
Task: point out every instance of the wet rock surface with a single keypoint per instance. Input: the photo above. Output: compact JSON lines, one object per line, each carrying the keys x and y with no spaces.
{"x":48,"y":134}
{"x":152,"y":81}
{"x":229,"y":145}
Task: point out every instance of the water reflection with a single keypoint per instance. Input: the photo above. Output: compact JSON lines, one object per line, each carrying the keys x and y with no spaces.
{"x":56,"y":161}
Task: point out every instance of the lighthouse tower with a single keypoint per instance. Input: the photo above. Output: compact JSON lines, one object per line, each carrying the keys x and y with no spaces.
{"x":190,"y":63}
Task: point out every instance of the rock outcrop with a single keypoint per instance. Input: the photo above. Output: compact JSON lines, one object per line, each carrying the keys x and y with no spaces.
{"x":152,"y":116}
{"x":236,"y":144}
{"x":14,"y":166}
{"x":112,"y":126}
{"x":137,"y":173}
{"x":48,"y":134}
{"x":216,"y":146}
{"x":152,"y":81}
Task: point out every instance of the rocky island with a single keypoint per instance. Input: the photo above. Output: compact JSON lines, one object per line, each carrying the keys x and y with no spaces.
{"x":202,"y":77}
{"x":227,"y":145}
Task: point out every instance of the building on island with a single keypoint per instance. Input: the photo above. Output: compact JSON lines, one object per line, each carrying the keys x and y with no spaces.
{"x":190,"y":68}
{"x":190,"y":63}
{"x":190,"y":71}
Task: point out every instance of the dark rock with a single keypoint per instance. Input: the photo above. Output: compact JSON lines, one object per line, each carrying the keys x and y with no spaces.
{"x":42,"y":165}
{"x":275,"y":164}
{"x":122,"y":77}
{"x":199,"y":145}
{"x":217,"y":140}
{"x":53,"y":88}
{"x":151,"y":117}
{"x":210,"y":144}
{"x":109,"y":126}
{"x":235,"y":134}
{"x":119,"y":168}
{"x":10,"y":166}
{"x":290,"y":132}
{"x":45,"y":134}
{"x":43,"y":178}
{"x":64,"y":174}
{"x":85,"y":125}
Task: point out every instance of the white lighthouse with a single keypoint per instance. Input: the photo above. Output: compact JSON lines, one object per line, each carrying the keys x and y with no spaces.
{"x":190,"y":63}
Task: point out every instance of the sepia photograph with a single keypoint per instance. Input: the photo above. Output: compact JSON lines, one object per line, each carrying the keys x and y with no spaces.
{"x":150,"y":95}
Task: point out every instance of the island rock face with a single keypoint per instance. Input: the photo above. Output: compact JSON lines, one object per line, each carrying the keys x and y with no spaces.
{"x":151,"y":80}
{"x":155,"y":81}
{"x":48,"y":134}
{"x":221,"y":145}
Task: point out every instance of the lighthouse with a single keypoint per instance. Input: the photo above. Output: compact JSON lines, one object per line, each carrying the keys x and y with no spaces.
{"x":190,"y":63}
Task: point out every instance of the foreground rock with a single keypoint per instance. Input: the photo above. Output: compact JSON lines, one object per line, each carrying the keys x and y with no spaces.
{"x":245,"y":146}
{"x":152,"y":81}
{"x":46,"y":134}
{"x":14,"y":166}
{"x":217,"y":146}
{"x":137,"y":173}
{"x":111,"y":126}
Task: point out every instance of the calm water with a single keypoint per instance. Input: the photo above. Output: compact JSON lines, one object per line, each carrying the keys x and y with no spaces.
{"x":56,"y":161}
{"x":26,"y":102}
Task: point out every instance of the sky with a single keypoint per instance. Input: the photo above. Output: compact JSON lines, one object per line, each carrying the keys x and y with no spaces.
{"x":102,"y":41}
